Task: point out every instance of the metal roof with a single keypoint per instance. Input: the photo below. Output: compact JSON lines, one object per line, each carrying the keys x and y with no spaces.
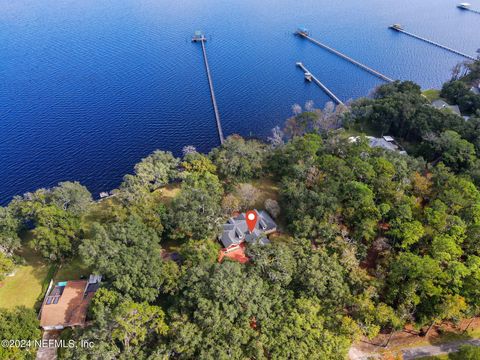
{"x":237,"y":226}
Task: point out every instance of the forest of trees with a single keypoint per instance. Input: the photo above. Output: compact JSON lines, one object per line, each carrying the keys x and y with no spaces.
{"x":376,"y":239}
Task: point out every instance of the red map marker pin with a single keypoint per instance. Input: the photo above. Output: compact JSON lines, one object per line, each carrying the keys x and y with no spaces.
{"x":252,"y":219}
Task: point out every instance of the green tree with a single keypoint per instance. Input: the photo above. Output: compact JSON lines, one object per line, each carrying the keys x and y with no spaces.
{"x":56,"y":233}
{"x":72,"y":197}
{"x":133,"y":322}
{"x":406,"y":233}
{"x":305,"y":333}
{"x":216,"y":311}
{"x":157,"y":169}
{"x":19,"y":323}
{"x":455,"y":152}
{"x":196,"y":212}
{"x":198,"y":252}
{"x":102,"y":303}
{"x":359,"y":209}
{"x":238,"y":160}
{"x":373,"y":317}
{"x":122,"y":329}
{"x":458,"y":92}
{"x":421,"y":280}
{"x":9,"y":228}
{"x":198,"y":163}
{"x":275,"y":263}
{"x":6,"y":265}
{"x":321,"y":275}
{"x":466,"y":352}
{"x":128,"y":255}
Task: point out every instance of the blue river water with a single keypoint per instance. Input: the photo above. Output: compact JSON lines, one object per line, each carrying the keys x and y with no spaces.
{"x":88,"y":88}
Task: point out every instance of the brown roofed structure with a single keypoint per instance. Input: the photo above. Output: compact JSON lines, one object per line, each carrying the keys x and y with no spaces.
{"x":66,"y":304}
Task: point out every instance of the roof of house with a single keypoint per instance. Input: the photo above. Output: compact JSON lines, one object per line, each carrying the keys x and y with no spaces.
{"x":385,"y":142}
{"x":441,"y":104}
{"x":235,"y":231}
{"x":382,"y":143}
{"x":66,"y":304}
{"x":238,"y":254}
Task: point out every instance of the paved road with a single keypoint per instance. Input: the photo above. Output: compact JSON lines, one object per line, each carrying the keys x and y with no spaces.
{"x":431,"y":350}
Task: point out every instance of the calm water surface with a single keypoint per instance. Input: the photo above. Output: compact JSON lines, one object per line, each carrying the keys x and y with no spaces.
{"x":88,"y":88}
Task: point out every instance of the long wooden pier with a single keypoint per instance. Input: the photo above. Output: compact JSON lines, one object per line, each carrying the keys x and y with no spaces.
{"x":399,"y":28}
{"x":320,"y":84}
{"x":202,"y":39}
{"x":466,"y":6}
{"x":378,"y":74}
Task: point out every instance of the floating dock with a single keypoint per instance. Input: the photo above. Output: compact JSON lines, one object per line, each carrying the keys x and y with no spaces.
{"x":399,"y":28}
{"x":309,"y":77}
{"x":466,"y":6}
{"x":304,"y":33}
{"x":199,"y":37}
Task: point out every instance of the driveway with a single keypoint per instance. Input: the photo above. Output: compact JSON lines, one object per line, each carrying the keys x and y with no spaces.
{"x":48,"y":353}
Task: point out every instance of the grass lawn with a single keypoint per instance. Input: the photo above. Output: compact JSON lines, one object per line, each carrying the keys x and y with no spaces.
{"x":28,"y":283}
{"x":450,"y":336}
{"x":431,"y":94}
{"x":172,"y":245}
{"x":438,"y":357}
{"x":167,"y":193}
{"x":364,"y":129}
{"x":282,"y":238}
{"x":268,"y":190}
{"x":74,"y":269}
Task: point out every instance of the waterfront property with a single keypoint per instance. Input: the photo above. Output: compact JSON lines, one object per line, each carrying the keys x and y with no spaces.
{"x":385,"y":142}
{"x":66,"y":303}
{"x":235,"y":231}
{"x":98,"y":104}
{"x":443,"y":105}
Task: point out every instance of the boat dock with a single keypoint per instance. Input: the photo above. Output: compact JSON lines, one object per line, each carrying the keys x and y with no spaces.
{"x":399,"y":28}
{"x":305,"y":34}
{"x":309,"y":77}
{"x":199,"y":37}
{"x":466,"y":6}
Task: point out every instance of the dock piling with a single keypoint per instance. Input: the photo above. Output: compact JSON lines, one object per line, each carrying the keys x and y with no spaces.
{"x":305,"y":34}
{"x":200,"y":37}
{"x":319,"y":83}
{"x":400,"y":29}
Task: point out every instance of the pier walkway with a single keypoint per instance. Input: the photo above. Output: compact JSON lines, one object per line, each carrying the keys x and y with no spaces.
{"x":343,"y":56}
{"x":399,"y":28}
{"x":466,"y":6}
{"x":320,"y":84}
{"x":202,"y":39}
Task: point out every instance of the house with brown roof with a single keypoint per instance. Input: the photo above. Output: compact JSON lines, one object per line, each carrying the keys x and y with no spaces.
{"x":66,"y":303}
